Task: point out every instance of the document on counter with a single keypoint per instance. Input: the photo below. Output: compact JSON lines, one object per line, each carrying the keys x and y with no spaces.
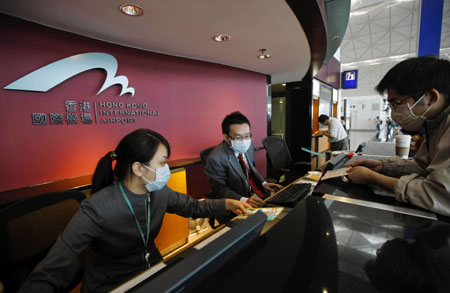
{"x":335,"y":173}
{"x":314,"y":176}
{"x":271,"y":212}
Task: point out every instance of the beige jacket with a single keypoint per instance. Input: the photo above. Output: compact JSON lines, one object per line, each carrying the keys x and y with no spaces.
{"x":425,"y":181}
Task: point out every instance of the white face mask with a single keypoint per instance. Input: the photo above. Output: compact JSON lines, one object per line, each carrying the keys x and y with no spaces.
{"x":162,"y":177}
{"x":241,"y":146}
{"x":405,"y":117}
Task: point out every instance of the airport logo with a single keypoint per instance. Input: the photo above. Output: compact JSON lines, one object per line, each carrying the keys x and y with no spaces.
{"x":51,"y":75}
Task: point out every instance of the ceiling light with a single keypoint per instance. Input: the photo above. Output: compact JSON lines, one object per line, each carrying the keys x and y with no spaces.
{"x":263,"y":54}
{"x":131,"y":9}
{"x":335,"y":38}
{"x":221,"y":38}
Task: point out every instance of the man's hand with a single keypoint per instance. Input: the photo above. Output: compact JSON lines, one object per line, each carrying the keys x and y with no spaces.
{"x":272,"y":186}
{"x":255,"y":201}
{"x":236,"y":206}
{"x":374,"y":165}
{"x":361,"y":175}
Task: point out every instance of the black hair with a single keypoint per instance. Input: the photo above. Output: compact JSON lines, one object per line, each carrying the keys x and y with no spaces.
{"x":396,"y":268}
{"x":420,"y":266}
{"x":137,"y":146}
{"x":233,"y":118}
{"x":415,"y":76}
{"x":323,"y":118}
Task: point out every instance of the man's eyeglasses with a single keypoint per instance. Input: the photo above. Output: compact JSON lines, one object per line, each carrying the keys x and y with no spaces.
{"x":399,"y":101}
{"x":395,"y":103}
{"x":239,"y":137}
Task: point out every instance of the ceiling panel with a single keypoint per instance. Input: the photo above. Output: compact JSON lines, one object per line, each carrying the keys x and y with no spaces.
{"x":186,"y":28}
{"x":392,"y":27}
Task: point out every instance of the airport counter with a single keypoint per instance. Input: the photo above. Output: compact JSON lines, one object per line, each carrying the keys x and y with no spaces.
{"x":320,"y":245}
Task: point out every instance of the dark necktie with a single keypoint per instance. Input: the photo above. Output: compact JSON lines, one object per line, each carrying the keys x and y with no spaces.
{"x":246,"y":170}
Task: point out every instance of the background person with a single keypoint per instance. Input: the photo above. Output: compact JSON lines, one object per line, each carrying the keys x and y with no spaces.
{"x":336,"y":133}
{"x":418,"y":92}
{"x":229,"y":166}
{"x":378,"y":122}
{"x":120,"y":220}
{"x":388,"y":128}
{"x":344,"y":124}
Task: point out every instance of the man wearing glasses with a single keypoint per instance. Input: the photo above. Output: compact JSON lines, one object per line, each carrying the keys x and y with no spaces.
{"x":229,"y":166}
{"x":418,"y":92}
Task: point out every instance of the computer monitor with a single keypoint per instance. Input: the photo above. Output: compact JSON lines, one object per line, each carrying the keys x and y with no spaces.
{"x":185,"y":274}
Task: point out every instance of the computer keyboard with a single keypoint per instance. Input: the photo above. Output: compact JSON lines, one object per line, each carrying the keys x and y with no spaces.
{"x":291,"y":195}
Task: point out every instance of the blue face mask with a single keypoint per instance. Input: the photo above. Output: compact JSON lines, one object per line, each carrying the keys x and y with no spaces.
{"x":162,"y":177}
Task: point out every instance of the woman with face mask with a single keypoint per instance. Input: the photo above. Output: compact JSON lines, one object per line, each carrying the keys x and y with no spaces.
{"x":418,"y":92}
{"x":121,"y":219}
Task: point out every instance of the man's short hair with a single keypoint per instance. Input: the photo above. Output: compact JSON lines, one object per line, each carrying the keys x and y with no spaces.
{"x":323,"y":118}
{"x":415,"y":76}
{"x":233,"y":118}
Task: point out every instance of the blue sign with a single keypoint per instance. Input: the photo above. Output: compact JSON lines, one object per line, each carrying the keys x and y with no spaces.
{"x":350,"y":78}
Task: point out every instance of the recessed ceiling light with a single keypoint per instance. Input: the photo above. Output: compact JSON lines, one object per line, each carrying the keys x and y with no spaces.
{"x":335,"y":38}
{"x":131,"y":9}
{"x":221,"y":38}
{"x":263,"y":54}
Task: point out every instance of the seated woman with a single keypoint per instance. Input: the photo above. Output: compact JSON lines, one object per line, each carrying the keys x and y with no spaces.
{"x":121,"y":219}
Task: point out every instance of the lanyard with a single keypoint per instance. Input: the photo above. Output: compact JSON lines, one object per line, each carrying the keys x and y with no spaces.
{"x":144,"y":240}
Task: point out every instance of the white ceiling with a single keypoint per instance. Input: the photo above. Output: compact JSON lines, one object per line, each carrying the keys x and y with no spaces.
{"x":379,"y":35}
{"x":382,"y":29}
{"x":185,"y":28}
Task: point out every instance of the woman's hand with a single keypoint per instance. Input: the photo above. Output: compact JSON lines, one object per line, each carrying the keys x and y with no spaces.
{"x":272,"y":186}
{"x":374,"y":165}
{"x":236,"y":206}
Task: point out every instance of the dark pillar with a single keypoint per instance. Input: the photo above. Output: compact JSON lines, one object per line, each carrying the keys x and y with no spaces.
{"x":299,"y":118}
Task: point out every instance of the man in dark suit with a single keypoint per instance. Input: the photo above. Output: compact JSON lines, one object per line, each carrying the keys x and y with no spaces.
{"x":229,"y":166}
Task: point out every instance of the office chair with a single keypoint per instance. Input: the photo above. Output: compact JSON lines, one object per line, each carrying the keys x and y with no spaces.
{"x":280,"y":161}
{"x":205,"y":153}
{"x":210,"y":195}
{"x":29,"y":228}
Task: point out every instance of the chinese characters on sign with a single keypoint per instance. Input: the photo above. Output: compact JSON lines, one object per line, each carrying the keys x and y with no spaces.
{"x":104,"y":113}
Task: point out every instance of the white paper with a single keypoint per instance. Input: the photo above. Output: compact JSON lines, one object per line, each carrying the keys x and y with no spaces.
{"x":335,"y":173}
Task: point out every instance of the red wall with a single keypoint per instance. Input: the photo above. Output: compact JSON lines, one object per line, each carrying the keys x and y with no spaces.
{"x":192,"y":98}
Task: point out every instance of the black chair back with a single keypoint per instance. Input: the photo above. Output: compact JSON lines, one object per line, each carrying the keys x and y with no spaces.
{"x":278,"y":152}
{"x":29,"y":228}
{"x":205,"y":153}
{"x":280,"y":160}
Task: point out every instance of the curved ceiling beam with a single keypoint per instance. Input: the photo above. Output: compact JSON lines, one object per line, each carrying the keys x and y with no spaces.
{"x":312,"y":17}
